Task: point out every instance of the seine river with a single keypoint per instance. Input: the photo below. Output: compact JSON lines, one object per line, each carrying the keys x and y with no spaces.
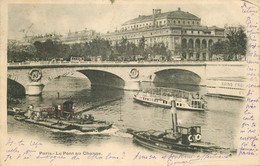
{"x":219,"y":122}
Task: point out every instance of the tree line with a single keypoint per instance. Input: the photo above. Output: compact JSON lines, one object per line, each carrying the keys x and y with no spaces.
{"x":124,"y":50}
{"x":232,"y":48}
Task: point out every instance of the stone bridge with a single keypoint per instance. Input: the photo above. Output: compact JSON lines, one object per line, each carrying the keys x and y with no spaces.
{"x":34,"y":76}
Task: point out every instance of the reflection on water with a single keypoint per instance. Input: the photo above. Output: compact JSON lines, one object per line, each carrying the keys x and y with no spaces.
{"x":218,"y":122}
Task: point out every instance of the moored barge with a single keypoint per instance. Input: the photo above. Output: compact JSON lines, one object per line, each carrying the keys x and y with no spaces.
{"x":62,"y":117}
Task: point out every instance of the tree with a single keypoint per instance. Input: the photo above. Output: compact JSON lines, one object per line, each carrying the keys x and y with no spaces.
{"x":177,"y":49}
{"x":237,"y":41}
{"x":236,"y":44}
{"x":141,"y":46}
{"x":220,"y":47}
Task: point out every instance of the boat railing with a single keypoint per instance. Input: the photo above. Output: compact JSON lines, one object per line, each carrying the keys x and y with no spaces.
{"x":176,"y":93}
{"x":157,"y":96}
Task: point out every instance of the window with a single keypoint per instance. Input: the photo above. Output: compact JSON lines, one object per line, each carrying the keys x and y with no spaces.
{"x":192,"y":32}
{"x":174,"y":22}
{"x":183,"y":22}
{"x":193,"y":22}
{"x":188,"y":22}
{"x":179,"y":22}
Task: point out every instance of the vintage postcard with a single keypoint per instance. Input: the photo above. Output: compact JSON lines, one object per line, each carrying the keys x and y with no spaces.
{"x":118,"y":82}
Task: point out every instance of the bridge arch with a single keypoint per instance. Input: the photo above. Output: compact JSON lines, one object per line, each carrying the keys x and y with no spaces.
{"x":177,"y":76}
{"x":15,"y":89}
{"x":95,"y":76}
{"x":103,"y":78}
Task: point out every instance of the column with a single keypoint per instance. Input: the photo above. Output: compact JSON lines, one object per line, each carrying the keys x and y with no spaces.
{"x":194,"y":50}
{"x":132,"y":85}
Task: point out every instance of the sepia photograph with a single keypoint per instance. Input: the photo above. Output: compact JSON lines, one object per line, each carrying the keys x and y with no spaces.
{"x":130,"y":82}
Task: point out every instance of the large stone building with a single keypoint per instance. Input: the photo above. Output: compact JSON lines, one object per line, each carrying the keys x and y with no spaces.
{"x":79,"y":36}
{"x":180,"y":31}
{"x":69,"y":38}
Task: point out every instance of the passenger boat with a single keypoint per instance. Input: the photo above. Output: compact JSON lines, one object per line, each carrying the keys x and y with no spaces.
{"x":61,"y":116}
{"x":179,"y":138}
{"x":231,"y":87}
{"x":184,"y":100}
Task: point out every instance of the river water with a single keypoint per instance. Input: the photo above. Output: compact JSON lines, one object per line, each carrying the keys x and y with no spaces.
{"x":219,"y":121}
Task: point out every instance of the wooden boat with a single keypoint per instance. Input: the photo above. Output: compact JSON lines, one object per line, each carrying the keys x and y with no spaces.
{"x":19,"y":117}
{"x":179,"y":138}
{"x":15,"y":111}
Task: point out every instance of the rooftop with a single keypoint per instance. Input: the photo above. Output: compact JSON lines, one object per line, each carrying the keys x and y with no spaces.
{"x":178,"y":14}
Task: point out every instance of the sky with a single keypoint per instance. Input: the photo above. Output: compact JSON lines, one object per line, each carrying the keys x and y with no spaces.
{"x":102,"y":16}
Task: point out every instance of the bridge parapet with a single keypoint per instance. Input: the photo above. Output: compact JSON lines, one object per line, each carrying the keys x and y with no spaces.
{"x":124,"y":74}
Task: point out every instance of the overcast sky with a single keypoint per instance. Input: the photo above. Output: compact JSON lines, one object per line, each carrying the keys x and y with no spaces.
{"x":103,"y":17}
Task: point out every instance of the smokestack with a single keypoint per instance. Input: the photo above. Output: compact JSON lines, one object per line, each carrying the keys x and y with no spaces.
{"x":174,"y":117}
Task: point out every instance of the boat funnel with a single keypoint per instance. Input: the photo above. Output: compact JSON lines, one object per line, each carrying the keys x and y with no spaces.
{"x":174,"y":116}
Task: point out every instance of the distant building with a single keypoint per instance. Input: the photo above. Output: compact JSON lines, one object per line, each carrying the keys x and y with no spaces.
{"x":69,"y":38}
{"x":42,"y":38}
{"x":180,"y":31}
{"x":79,"y":36}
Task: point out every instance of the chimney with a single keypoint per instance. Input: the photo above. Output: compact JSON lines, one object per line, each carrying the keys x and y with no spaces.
{"x":179,"y":9}
{"x":153,"y":17}
{"x":155,"y":12}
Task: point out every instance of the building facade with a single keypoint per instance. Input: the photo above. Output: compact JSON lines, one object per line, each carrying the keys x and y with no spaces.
{"x":79,"y":36}
{"x":180,"y":31}
{"x":68,"y":38}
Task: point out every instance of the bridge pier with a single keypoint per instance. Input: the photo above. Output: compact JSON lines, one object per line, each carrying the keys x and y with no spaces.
{"x":133,"y":85}
{"x":34,"y":89}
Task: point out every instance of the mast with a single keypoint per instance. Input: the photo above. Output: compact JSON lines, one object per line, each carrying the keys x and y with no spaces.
{"x":120,"y":112}
{"x":174,"y":117}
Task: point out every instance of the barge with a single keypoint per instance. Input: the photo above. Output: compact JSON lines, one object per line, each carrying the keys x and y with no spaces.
{"x":61,"y":116}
